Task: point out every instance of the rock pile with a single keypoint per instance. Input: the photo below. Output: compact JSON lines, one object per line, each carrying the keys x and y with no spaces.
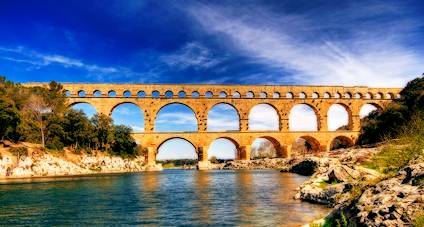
{"x":276,"y":163}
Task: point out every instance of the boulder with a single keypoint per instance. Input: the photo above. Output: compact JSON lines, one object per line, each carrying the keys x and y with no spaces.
{"x":305,"y":168}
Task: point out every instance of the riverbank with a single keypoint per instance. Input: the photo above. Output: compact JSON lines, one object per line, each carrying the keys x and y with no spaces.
{"x":25,"y":160}
{"x":361,"y":195}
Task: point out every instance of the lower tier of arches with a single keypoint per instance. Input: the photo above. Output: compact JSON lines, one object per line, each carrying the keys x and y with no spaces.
{"x":283,"y":142}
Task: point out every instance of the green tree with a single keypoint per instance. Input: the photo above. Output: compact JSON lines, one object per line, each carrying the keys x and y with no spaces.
{"x":103,"y":131}
{"x":123,"y":144}
{"x":78,"y":129}
{"x":9,"y":119}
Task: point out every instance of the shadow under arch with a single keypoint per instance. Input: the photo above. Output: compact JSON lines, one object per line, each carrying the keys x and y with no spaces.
{"x":312,"y":145}
{"x":339,"y":142}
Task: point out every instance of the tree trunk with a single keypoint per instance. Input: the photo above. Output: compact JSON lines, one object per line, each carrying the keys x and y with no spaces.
{"x":42,"y":133}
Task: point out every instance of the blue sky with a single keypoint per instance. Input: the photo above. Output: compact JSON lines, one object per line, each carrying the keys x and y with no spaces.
{"x":373,"y":43}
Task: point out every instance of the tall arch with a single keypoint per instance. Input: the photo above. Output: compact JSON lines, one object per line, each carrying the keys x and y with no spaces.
{"x":265,"y":147}
{"x":223,"y":117}
{"x":305,"y":145}
{"x":223,"y":148}
{"x":176,"y":117}
{"x":88,"y":109}
{"x":339,"y":117}
{"x":367,"y":108}
{"x":128,"y":114}
{"x":264,"y":117}
{"x":303,"y":117}
{"x":176,"y":148}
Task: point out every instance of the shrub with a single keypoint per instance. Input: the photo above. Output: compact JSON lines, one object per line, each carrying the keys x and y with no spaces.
{"x":19,"y":152}
{"x":419,"y":220}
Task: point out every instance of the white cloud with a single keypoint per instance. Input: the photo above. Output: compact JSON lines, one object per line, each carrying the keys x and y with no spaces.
{"x":374,"y":58}
{"x":193,"y":55}
{"x":302,"y":118}
{"x":263,"y":117}
{"x":337,"y":117}
{"x":176,"y":118}
{"x":38,"y":60}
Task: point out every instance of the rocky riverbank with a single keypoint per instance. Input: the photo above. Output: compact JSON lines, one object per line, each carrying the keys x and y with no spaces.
{"x":39,"y":163}
{"x":362,"y":196}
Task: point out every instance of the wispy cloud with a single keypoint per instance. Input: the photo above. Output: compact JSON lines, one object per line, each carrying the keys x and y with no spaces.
{"x":367,"y":55}
{"x":263,"y":117}
{"x":192,"y":55}
{"x":37,"y":60}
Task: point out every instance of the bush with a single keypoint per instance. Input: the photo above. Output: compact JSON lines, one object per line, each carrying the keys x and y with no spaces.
{"x":19,"y":152}
{"x":419,"y":220}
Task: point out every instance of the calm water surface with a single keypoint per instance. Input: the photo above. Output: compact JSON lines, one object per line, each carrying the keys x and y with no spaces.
{"x":167,"y":198}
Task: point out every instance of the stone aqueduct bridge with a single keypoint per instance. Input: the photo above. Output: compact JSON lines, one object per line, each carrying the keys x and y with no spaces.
{"x":151,"y":98}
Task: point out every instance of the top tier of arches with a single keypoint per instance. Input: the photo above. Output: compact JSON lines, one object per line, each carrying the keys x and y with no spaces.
{"x":228,"y":91}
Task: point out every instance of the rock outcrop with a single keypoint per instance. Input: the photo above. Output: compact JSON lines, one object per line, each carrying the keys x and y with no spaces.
{"x":276,"y":163}
{"x":395,"y":201}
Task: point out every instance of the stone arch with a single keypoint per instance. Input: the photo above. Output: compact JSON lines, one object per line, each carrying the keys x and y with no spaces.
{"x":208,"y":94}
{"x":302,"y":95}
{"x":126,"y":93}
{"x":169,"y":94}
{"x":337,"y":95}
{"x":347,"y":95}
{"x":155,"y":94}
{"x":315,"y":146}
{"x":160,"y":145}
{"x":141,"y":94}
{"x":195,"y":94}
{"x":315,"y":95}
{"x":263,"y":95}
{"x":276,"y":95}
{"x":357,"y":95}
{"x":368,"y":107}
{"x":111,"y":93}
{"x":306,"y":107}
{"x":213,"y":151}
{"x":97,"y":93}
{"x":326,"y":95}
{"x":347,"y":111}
{"x":250,"y":94}
{"x":222,"y":94}
{"x":289,"y":95}
{"x":378,"y":95}
{"x":233,"y":107}
{"x":67,"y":93}
{"x":236,"y":95}
{"x":92,"y":110}
{"x":340,"y":142}
{"x":389,"y":95}
{"x":128,"y":114}
{"x":182,"y":94}
{"x":264,"y":127}
{"x":368,"y":95}
{"x":81,"y":93}
{"x":176,"y":103}
{"x":276,"y":147}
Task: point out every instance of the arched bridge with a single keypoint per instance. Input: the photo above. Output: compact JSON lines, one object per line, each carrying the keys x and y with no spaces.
{"x":151,"y":98}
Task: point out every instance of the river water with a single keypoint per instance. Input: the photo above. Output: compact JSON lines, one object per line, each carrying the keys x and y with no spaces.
{"x":167,"y":198}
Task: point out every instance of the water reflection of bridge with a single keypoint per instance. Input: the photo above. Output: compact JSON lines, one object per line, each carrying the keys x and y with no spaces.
{"x":202,"y":98}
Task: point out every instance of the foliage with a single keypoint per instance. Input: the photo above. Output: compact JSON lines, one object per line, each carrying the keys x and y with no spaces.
{"x":213,"y":159}
{"x":264,"y":150}
{"x":19,"y":152}
{"x":419,"y":220}
{"x":41,"y":115}
{"x":178,"y":162}
{"x":399,"y":153}
{"x":387,"y":124}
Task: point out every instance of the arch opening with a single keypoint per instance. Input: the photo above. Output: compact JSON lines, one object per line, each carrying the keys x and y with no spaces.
{"x":315,"y":95}
{"x":222,"y":94}
{"x":155,"y":94}
{"x":302,"y":117}
{"x":88,"y":109}
{"x":169,"y":94}
{"x":250,"y":94}
{"x":341,"y":142}
{"x":222,"y":149}
{"x":181,"y":94}
{"x":127,"y":94}
{"x":67,"y":93}
{"x":367,"y":109}
{"x":223,"y":117}
{"x":97,"y":93}
{"x":176,"y":152}
{"x":326,"y":95}
{"x":81,"y":93}
{"x":338,"y":118}
{"x":276,"y":95}
{"x":236,"y":95}
{"x":264,"y":147}
{"x":176,"y":117}
{"x":141,"y":94}
{"x":263,"y":117}
{"x":195,"y":94}
{"x":289,"y":95}
{"x":305,"y":145}
{"x":263,"y":95}
{"x":208,"y":94}
{"x":130,"y":115}
{"x":111,"y":93}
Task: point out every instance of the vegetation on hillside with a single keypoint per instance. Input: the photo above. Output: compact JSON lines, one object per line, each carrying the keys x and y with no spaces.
{"x":390,"y":123}
{"x":42,"y":115}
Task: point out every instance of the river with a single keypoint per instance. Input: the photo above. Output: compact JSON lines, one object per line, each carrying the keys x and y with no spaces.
{"x":167,"y":198}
